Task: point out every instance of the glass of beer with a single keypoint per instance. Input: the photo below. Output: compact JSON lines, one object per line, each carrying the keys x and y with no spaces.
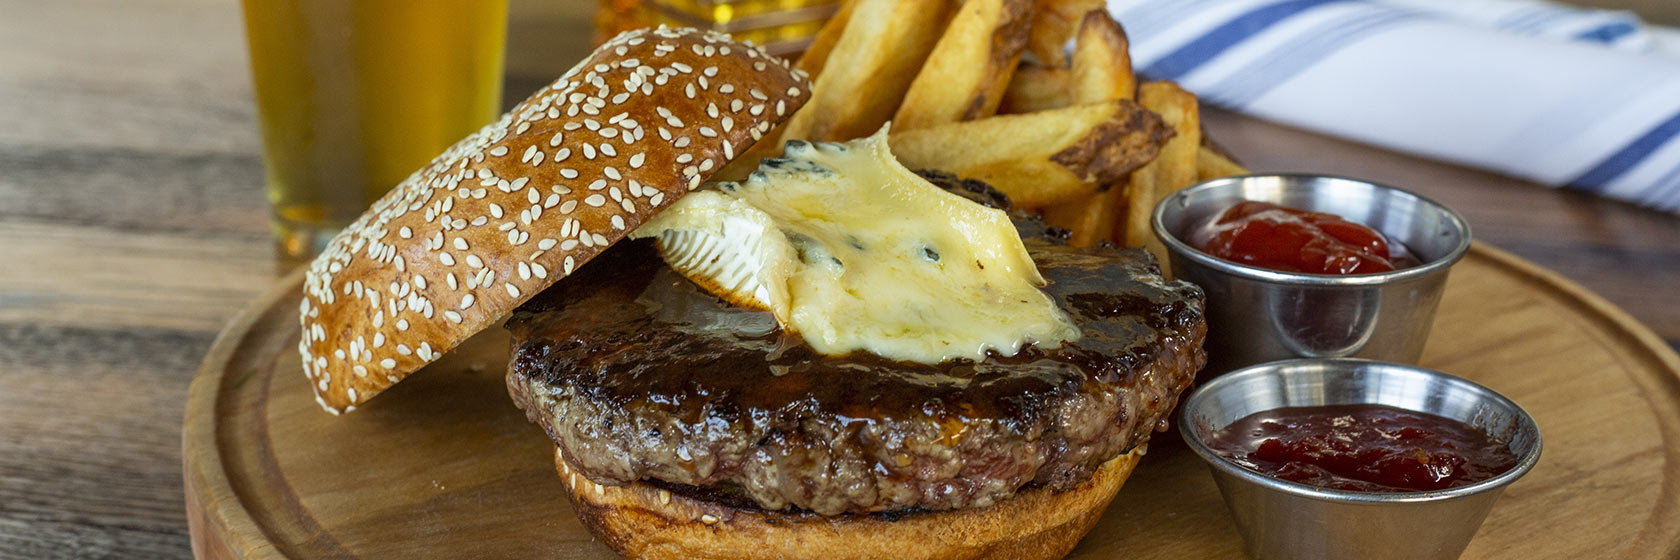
{"x":783,"y":27}
{"x":355,"y":95}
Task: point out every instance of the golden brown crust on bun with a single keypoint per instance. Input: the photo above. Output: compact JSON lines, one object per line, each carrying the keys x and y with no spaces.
{"x":518,"y":205}
{"x":643,"y":521}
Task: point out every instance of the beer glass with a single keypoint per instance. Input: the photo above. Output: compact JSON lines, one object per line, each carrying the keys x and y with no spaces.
{"x":355,"y":95}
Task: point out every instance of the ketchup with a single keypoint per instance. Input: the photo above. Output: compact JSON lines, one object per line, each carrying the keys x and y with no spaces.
{"x":1367,"y":448}
{"x":1275,"y":237}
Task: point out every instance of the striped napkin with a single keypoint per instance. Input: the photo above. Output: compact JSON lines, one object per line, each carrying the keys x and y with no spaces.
{"x":1568,"y":97}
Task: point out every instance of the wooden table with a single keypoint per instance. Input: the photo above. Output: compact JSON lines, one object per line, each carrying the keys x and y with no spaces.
{"x":134,"y":226}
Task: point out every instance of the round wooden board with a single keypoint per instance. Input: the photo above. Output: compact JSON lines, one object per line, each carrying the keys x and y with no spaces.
{"x":444,"y":465}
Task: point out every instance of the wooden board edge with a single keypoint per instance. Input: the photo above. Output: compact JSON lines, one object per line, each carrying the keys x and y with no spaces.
{"x":221,"y":526}
{"x":218,"y":522}
{"x":1654,"y":540}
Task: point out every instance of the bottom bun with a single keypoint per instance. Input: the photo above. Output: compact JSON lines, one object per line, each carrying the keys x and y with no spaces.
{"x":642,"y":521}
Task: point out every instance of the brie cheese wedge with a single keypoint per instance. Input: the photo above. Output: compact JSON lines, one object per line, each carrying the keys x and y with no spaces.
{"x":854,"y":252}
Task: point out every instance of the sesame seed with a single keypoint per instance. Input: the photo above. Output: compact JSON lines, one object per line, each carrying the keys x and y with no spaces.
{"x":635,"y":163}
{"x":474,"y":261}
{"x":461,"y":243}
{"x":597,"y":184}
{"x":497,"y":151}
{"x":466,"y":301}
{"x":588,"y":151}
{"x":452,"y":316}
{"x":387,"y":363}
{"x":404,"y":349}
{"x":595,"y":200}
{"x":511,"y":290}
{"x":569,"y":173}
{"x":617,"y":223}
{"x":446,"y":258}
{"x":612,"y":173}
{"x":546,"y":244}
{"x":496,"y":210}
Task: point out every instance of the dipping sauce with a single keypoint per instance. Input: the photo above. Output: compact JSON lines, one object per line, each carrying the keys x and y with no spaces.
{"x":1363,"y":447}
{"x":1266,"y":235}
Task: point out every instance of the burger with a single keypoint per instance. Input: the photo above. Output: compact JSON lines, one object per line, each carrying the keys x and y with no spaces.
{"x":833,"y":357}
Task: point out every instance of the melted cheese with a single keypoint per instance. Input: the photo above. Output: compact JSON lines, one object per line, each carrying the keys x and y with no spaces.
{"x":854,"y":252}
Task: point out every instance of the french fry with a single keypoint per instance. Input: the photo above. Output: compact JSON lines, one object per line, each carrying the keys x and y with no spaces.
{"x":865,"y":76}
{"x":1036,"y":88}
{"x":965,"y":75}
{"x":1102,"y":63}
{"x":816,"y":55}
{"x":1133,"y":230}
{"x":1173,"y":169}
{"x":1092,"y":219}
{"x":1053,"y":24}
{"x":1212,"y":165}
{"x":1041,"y":158}
{"x":1102,"y":71}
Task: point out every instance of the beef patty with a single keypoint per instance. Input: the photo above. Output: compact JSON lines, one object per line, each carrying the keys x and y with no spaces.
{"x":638,"y":375}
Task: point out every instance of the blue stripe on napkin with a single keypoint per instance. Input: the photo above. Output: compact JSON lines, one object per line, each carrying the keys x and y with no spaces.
{"x":1608,"y":33}
{"x":1176,"y":64}
{"x":1601,"y":175}
{"x":1299,"y":53}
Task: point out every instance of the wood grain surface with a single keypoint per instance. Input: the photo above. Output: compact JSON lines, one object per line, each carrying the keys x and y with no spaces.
{"x":133,"y":227}
{"x":444,"y":465}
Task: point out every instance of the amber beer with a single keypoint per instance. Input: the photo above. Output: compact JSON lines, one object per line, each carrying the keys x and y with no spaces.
{"x":784,"y":27}
{"x":354,"y":95}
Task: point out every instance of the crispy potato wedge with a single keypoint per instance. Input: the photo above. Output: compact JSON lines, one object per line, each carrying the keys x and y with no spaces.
{"x":1102,"y":71}
{"x":816,"y":55}
{"x":1092,"y":219}
{"x":864,"y":78}
{"x":1173,"y":169}
{"x":1036,"y":88}
{"x":1045,"y":157}
{"x":1102,"y":61}
{"x":1213,"y":165}
{"x":965,"y":75}
{"x":1053,"y":25}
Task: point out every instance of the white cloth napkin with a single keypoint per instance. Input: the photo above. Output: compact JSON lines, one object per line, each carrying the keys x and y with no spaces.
{"x":1585,"y":99}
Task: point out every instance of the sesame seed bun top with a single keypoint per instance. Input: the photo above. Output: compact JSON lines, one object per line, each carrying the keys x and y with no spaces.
{"x":516,"y":206}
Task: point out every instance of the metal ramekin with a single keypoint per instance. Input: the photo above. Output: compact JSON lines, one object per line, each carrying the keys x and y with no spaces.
{"x":1282,"y":519}
{"x":1257,"y":315}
